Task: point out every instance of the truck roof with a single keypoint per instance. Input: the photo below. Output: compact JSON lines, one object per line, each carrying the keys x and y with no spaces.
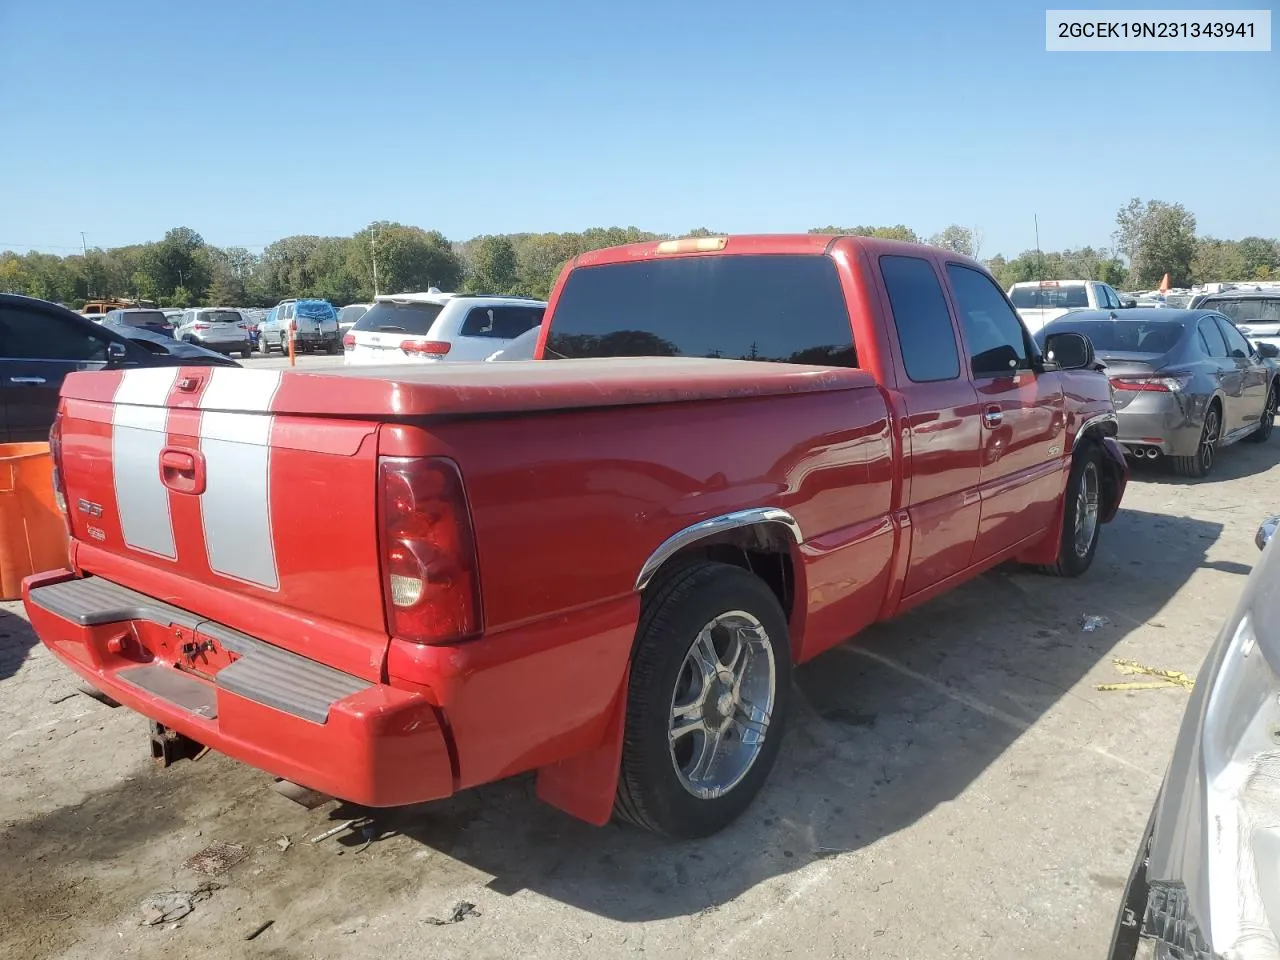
{"x":760,"y":243}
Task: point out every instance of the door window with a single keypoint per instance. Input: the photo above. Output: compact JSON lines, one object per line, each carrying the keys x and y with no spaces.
{"x":998,"y":342}
{"x":1236,"y":343}
{"x":923,"y":323}
{"x":27,"y":334}
{"x":1211,"y":339}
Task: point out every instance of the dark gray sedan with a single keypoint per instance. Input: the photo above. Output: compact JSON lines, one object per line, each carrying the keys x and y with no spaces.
{"x":1185,"y":382}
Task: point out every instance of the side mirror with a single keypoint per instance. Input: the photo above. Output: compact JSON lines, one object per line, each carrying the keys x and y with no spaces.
{"x":1268,"y":350}
{"x":1266,"y":530}
{"x":116,"y":353}
{"x":1070,"y":351}
{"x":1128,"y":303}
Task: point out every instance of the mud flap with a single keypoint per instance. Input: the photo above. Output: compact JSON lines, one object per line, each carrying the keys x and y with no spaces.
{"x":584,"y":786}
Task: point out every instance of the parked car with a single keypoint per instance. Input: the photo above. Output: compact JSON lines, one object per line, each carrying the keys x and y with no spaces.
{"x":349,"y":314}
{"x":168,"y":346}
{"x":601,"y":568}
{"x":174,"y":316}
{"x":107,"y":305}
{"x":1042,"y":301}
{"x":1256,"y":313}
{"x":313,"y":325}
{"x":95,"y":317}
{"x":1205,"y":881}
{"x":41,"y":343}
{"x":1186,"y":382}
{"x":215,"y":328}
{"x":431,"y":327}
{"x":152,"y":320}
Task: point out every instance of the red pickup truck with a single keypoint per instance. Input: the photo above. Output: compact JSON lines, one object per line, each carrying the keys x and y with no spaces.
{"x":391,"y":584}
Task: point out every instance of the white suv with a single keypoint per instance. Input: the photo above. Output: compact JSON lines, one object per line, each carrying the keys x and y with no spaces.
{"x":434,"y":326}
{"x":214,"y":328}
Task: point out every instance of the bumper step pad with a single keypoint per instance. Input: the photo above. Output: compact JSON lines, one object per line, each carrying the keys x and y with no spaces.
{"x":263,"y":673}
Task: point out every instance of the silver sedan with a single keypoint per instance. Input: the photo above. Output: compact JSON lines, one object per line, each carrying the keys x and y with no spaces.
{"x":1185,"y":382}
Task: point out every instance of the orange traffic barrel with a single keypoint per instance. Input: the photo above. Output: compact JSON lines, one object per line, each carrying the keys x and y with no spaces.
{"x":33,"y":537}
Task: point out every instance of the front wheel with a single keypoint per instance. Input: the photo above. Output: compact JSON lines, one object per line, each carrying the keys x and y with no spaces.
{"x":246,"y":352}
{"x":1267,"y":420}
{"x":264,"y":345}
{"x":1081,"y":514}
{"x":706,"y":701}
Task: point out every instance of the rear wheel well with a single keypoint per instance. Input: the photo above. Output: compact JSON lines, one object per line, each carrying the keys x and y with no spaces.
{"x":763,"y":549}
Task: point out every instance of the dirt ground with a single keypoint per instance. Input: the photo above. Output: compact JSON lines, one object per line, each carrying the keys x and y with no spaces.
{"x":952,"y":784}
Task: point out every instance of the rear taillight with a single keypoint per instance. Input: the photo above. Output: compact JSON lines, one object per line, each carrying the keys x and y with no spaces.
{"x":425,"y":348}
{"x":430,"y":581}
{"x":349,"y":341}
{"x":1150,"y":384}
{"x":200,"y":326}
{"x":55,"y":453}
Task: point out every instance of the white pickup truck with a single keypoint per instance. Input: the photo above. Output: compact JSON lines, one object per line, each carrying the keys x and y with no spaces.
{"x":1040,"y":301}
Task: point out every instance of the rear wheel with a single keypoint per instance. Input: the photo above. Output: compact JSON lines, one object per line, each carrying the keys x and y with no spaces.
{"x":706,"y":700}
{"x":246,"y":352}
{"x":1201,"y":462}
{"x":1267,"y":421}
{"x":264,"y":345}
{"x":1081,"y":514}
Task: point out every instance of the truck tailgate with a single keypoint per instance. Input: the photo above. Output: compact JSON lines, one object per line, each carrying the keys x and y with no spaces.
{"x":183,"y":484}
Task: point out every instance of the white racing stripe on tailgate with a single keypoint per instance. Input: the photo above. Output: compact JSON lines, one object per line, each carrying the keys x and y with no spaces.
{"x":137,"y":437}
{"x":235,"y":508}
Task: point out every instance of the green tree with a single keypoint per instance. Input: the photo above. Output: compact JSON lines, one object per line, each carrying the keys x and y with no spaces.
{"x":494,"y":268}
{"x":409,"y":259}
{"x":896,"y":232}
{"x":1261,"y":257}
{"x":1158,"y":238}
{"x":955,"y":238}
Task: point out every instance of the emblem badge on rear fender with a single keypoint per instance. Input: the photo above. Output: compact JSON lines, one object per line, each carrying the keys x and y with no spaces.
{"x":90,"y":508}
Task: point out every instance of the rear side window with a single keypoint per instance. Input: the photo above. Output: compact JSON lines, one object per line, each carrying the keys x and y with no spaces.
{"x":411,"y":318}
{"x":783,"y":308}
{"x":920,"y":315}
{"x":501,"y":323}
{"x":1211,"y":338}
{"x":996,"y":337}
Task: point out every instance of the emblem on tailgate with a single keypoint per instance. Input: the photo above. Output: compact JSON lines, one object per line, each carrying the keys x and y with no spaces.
{"x":89,"y":507}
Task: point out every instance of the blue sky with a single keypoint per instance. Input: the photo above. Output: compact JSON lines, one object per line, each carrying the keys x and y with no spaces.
{"x":249,"y":121}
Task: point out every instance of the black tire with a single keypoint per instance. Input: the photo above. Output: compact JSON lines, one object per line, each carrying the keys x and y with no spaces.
{"x":284,"y":346}
{"x":246,"y":353}
{"x":1268,"y":420}
{"x":1086,"y":472}
{"x":264,"y":346}
{"x":675,"y":610}
{"x":1200,"y":464}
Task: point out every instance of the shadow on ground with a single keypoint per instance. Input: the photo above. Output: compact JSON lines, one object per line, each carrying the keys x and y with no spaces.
{"x":16,"y":641}
{"x":884,"y":730}
{"x":1239,"y":460}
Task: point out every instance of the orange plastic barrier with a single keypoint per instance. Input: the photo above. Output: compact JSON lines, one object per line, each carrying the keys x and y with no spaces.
{"x":33,"y":537}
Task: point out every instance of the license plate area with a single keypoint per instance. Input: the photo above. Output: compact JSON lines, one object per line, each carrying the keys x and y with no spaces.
{"x":190,"y":649}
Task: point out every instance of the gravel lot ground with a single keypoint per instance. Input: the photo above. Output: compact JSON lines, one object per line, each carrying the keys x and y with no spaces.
{"x":952,"y":785}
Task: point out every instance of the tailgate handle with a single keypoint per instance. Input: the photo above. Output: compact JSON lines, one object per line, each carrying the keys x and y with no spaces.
{"x":182,"y":471}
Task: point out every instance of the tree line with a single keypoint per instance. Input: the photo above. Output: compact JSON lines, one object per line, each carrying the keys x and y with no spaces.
{"x":1151,"y":239}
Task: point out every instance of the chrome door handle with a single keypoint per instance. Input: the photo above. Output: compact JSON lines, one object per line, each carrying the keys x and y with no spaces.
{"x":993,"y":417}
{"x":31,"y":381}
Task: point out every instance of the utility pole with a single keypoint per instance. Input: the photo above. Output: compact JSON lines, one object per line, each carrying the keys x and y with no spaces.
{"x":84,"y":249}
{"x":373,"y":250}
{"x":1039,"y":255}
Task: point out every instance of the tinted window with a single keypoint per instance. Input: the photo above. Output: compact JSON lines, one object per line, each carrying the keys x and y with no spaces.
{"x":920,"y":314}
{"x":1246,"y":311}
{"x":503,"y":323}
{"x":1122,"y":336}
{"x":413,"y":318}
{"x":996,"y":338}
{"x":33,"y":335}
{"x":1236,"y":343}
{"x":521,"y":348}
{"x":352,"y":313}
{"x":1211,"y":338}
{"x":221,"y":316}
{"x":142,"y":318}
{"x":1050,"y":297}
{"x":1110,"y":298}
{"x":788,"y":309}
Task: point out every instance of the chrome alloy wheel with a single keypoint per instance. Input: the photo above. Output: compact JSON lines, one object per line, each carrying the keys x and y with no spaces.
{"x":721,"y":704}
{"x":1086,"y":510}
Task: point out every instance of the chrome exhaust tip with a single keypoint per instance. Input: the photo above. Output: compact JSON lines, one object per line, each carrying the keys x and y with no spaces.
{"x":1153,"y":453}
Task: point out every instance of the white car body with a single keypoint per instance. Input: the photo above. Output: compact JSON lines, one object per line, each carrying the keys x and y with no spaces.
{"x":1039,"y":302}
{"x":433,"y":327}
{"x":223,"y":329}
{"x":348,"y":315}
